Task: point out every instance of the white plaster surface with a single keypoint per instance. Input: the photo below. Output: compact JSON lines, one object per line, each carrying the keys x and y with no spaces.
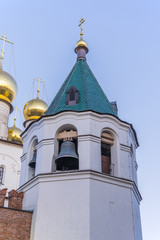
{"x":10,"y":154}
{"x":82,"y":204}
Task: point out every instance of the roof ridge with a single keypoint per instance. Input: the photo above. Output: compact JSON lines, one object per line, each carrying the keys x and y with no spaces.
{"x":104,"y":95}
{"x":69,"y":75}
{"x":83,"y":72}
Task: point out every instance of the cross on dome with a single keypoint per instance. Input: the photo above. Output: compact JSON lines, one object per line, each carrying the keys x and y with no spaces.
{"x":80,"y":25}
{"x":38,"y":88}
{"x":15,"y":115}
{"x":4,"y":39}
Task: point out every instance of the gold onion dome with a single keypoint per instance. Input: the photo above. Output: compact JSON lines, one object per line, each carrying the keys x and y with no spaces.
{"x":34,"y":109}
{"x":81,"y":43}
{"x":14,"y":135}
{"x":8,"y":87}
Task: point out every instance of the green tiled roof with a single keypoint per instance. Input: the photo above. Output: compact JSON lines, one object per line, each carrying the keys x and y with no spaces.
{"x":91,"y":98}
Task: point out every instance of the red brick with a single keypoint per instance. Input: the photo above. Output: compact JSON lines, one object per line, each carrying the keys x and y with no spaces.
{"x":2,"y":196}
{"x":15,"y":224}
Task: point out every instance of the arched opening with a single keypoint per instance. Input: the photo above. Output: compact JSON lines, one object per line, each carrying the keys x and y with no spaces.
{"x":32,"y":159}
{"x":106,"y":144}
{"x":67,"y":154}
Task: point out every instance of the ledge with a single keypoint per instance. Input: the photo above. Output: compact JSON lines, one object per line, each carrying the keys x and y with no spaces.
{"x":13,"y":143}
{"x":15,"y":209}
{"x":81,"y":174}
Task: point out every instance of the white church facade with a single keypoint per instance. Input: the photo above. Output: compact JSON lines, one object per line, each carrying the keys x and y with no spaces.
{"x":10,"y":140}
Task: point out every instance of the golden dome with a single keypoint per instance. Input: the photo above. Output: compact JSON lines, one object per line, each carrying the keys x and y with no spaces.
{"x":14,"y":135}
{"x":34,"y":109}
{"x":81,"y":43}
{"x":8,"y":87}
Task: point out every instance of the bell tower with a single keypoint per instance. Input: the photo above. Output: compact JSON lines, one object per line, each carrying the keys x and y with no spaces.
{"x":85,"y":181}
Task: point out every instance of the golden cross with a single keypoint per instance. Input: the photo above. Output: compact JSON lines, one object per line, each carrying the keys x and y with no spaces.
{"x":15,"y":115}
{"x":80,"y":25}
{"x":38,"y":88}
{"x":2,"y":51}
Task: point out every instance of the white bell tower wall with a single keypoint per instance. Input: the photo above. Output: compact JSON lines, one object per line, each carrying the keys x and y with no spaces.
{"x":84,"y":203}
{"x":89,"y":127}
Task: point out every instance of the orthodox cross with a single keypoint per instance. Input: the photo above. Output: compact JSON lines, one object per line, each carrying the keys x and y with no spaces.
{"x":4,"y":38}
{"x":80,"y":25}
{"x":15,"y":115}
{"x":38,"y":88}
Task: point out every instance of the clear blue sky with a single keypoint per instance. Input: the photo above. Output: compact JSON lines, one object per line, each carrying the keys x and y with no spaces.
{"x":123,"y":37}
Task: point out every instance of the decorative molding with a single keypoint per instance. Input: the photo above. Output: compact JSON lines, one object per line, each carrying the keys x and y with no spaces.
{"x":45,"y":142}
{"x":81,"y":174}
{"x":124,"y":148}
{"x":23,"y":157}
{"x":89,"y":137}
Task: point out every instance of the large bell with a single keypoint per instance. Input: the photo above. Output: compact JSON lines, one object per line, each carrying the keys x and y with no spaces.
{"x":67,"y":158}
{"x":32,"y":163}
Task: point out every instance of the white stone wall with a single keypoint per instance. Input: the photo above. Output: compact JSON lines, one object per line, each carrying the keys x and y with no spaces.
{"x":81,"y":205}
{"x":10,"y":154}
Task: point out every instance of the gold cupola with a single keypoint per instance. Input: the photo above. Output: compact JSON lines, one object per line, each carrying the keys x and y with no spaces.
{"x":14,"y":133}
{"x":8,"y":86}
{"x":35,"y":108}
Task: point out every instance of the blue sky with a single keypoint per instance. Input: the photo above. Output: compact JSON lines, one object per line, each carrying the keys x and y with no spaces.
{"x":124,"y":54}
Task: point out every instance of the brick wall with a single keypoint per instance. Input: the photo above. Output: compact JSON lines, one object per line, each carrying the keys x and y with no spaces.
{"x":15,"y":223}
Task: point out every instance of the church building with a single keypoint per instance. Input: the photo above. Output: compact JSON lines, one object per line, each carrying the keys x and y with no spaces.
{"x":78,"y":168}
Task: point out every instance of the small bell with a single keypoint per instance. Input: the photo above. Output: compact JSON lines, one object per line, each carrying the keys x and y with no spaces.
{"x":32,"y":163}
{"x":67,"y":158}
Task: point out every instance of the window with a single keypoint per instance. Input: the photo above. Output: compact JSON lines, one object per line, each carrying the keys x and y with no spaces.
{"x":106,"y":157}
{"x":106,"y":143}
{"x":72,"y":96}
{"x":1,"y":174}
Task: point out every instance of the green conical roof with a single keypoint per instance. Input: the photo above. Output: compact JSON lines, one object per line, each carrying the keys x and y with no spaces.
{"x":91,"y":95}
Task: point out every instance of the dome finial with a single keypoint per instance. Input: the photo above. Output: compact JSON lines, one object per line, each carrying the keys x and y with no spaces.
{"x":2,"y":50}
{"x":81,"y":46}
{"x":38,"y":87}
{"x":80,"y":25}
{"x":15,"y":115}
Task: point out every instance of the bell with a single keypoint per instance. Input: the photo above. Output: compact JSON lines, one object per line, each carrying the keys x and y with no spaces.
{"x":32,"y":163}
{"x":67,"y":158}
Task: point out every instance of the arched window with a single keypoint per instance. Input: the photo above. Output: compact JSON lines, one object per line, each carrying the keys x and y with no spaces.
{"x":67,"y":157}
{"x":106,"y":143}
{"x":72,"y":96}
{"x":1,"y":174}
